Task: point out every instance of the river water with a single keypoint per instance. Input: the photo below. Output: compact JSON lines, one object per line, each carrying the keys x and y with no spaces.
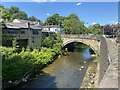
{"x":65,"y":72}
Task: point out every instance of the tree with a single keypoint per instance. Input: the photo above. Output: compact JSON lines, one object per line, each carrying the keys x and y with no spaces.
{"x":73,"y":25}
{"x":23,"y":15}
{"x":55,"y":20}
{"x":95,"y":29}
{"x":9,"y":14}
{"x":61,"y":20}
{"x":14,"y":9}
{"x":71,"y":16}
{"x":32,"y":18}
{"x":5,"y":14}
{"x":52,"y":20}
{"x":50,"y":41}
{"x":16,"y":13}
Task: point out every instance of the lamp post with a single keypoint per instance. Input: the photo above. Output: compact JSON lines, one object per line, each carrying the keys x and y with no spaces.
{"x":103,"y":30}
{"x":112,"y":30}
{"x":113,"y":33}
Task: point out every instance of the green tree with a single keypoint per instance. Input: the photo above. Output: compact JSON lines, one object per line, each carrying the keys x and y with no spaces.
{"x":32,"y":18}
{"x":16,"y":13}
{"x":72,"y":25}
{"x":14,"y":9}
{"x":73,"y":16}
{"x":52,"y":20}
{"x":23,"y":15}
{"x":51,"y":40}
{"x":95,"y":29}
{"x":9,"y":14}
{"x":5,"y":14}
{"x":61,"y":20}
{"x":55,"y":19}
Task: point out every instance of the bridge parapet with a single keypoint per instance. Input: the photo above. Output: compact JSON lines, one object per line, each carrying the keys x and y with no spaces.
{"x":94,"y":37}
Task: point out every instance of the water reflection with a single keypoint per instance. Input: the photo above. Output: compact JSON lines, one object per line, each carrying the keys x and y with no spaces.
{"x":86,"y":54}
{"x":65,"y":72}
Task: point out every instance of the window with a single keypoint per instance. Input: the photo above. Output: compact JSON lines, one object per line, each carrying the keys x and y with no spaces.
{"x":35,"y":32}
{"x":32,"y":41}
{"x":49,"y":28}
{"x":13,"y":31}
{"x":22,"y":32}
{"x":55,"y":29}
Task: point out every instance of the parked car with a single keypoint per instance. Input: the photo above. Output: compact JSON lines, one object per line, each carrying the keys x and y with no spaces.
{"x":109,"y":36}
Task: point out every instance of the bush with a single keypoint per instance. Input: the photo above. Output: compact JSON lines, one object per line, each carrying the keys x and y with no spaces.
{"x":17,"y":64}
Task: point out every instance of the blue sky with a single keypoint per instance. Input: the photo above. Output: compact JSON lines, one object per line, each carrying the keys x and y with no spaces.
{"x":90,"y":12}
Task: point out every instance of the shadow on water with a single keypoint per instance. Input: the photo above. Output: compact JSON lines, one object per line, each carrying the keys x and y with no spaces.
{"x":78,"y":47}
{"x":41,"y":80}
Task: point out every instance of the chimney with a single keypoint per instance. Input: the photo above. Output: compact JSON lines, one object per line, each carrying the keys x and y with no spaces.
{"x":28,"y":24}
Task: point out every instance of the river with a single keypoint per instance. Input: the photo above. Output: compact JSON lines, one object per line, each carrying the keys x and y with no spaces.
{"x":65,"y":72}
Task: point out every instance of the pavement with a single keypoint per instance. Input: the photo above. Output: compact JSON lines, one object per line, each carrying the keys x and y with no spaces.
{"x":110,"y":79}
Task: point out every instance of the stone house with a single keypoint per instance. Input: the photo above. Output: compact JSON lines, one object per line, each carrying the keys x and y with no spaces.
{"x":27,"y":33}
{"x":110,"y":29}
{"x":53,"y":28}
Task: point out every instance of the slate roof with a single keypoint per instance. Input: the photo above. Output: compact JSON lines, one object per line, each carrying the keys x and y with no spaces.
{"x":25,"y":21}
{"x":51,"y":26}
{"x":23,"y":24}
{"x":16,"y":25}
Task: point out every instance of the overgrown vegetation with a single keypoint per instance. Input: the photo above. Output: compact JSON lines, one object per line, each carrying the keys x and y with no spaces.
{"x":15,"y":64}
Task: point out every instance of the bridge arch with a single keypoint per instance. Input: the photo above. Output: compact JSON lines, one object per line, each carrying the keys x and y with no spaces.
{"x":93,"y":44}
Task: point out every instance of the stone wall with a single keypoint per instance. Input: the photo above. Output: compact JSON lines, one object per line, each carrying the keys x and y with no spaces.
{"x":109,"y":53}
{"x":104,"y":59}
{"x":119,"y":63}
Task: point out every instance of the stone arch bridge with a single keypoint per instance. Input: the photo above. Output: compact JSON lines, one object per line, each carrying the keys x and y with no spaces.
{"x":90,"y":40}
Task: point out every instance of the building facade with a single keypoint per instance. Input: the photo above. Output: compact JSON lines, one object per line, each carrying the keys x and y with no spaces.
{"x":27,"y":33}
{"x":53,"y":28}
{"x":110,"y":29}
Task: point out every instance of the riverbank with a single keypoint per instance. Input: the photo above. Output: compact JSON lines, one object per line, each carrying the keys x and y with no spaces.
{"x":19,"y":67}
{"x":92,"y":74}
{"x":64,"y":72}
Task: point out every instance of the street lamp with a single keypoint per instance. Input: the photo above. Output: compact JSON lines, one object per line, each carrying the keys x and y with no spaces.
{"x":103,"y":30}
{"x":112,"y":30}
{"x":113,"y":33}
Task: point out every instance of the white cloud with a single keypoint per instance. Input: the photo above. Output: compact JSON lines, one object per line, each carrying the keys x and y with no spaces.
{"x":78,"y":4}
{"x":47,"y":14}
{"x":117,"y":17}
{"x":94,"y":23}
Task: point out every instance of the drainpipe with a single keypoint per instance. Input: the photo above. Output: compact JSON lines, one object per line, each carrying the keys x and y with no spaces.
{"x":29,"y":36}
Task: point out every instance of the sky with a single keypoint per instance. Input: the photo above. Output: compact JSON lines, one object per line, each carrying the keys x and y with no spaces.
{"x":59,"y":0}
{"x":89,"y":12}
